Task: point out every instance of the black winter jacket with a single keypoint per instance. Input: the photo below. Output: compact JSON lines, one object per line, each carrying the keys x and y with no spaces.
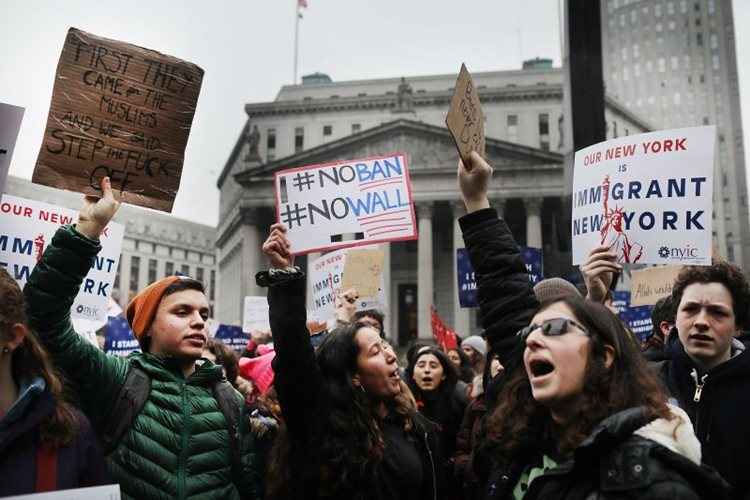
{"x":305,"y":409}
{"x":613,"y":463}
{"x":79,"y":464}
{"x":718,"y":410}
{"x":507,"y":304}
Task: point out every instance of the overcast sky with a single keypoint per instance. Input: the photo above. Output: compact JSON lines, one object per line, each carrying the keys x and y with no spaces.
{"x":246,"y":50}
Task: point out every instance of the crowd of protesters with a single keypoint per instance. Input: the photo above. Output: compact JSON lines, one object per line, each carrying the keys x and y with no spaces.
{"x":555,"y":398}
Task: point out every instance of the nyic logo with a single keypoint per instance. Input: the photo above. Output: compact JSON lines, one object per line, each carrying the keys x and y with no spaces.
{"x":679,"y":253}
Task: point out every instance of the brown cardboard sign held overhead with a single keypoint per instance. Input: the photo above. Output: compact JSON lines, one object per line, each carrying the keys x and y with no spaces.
{"x":465,"y":119}
{"x":649,"y":285}
{"x":121,"y":111}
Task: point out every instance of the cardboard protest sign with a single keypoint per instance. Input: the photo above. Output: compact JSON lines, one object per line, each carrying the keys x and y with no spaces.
{"x":121,"y":111}
{"x":637,"y":318}
{"x":232,"y":336}
{"x":363,"y":270}
{"x":648,"y":197}
{"x":465,"y":119}
{"x":255,"y":314}
{"x":118,"y":338}
{"x":327,"y":276}
{"x":10,"y":124}
{"x":28,"y":227}
{"x":651,"y":284}
{"x":467,"y":283}
{"x":344,"y":204}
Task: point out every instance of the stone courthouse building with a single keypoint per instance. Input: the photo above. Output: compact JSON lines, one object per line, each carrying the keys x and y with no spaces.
{"x":322,"y":121}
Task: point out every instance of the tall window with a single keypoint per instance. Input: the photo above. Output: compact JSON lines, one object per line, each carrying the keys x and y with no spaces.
{"x":135,"y":269}
{"x":299,"y":139}
{"x":199,"y":274}
{"x":512,"y":122}
{"x":212,"y":285}
{"x":185,"y":269}
{"x":327,"y":130}
{"x":169,"y":269}
{"x":270,"y":144}
{"x":544,"y":131}
{"x":699,"y":39}
{"x":151,"y":270}
{"x":117,"y":276}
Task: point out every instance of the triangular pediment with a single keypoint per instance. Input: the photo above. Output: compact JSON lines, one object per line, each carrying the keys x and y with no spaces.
{"x":429,"y":148}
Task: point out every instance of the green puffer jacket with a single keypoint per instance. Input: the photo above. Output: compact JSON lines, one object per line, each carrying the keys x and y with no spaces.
{"x":178,"y":446}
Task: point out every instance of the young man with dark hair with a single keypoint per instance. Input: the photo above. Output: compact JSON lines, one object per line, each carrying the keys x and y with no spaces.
{"x":172,"y":423}
{"x":707,"y":370}
{"x":373,"y":318}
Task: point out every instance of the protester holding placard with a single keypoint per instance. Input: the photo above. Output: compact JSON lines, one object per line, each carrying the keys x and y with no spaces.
{"x":352,"y":426}
{"x":158,"y":396}
{"x":45,"y":443}
{"x":577,"y":399}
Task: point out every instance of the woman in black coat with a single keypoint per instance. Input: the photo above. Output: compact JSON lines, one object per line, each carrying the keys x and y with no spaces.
{"x":45,"y":443}
{"x":351,"y":427}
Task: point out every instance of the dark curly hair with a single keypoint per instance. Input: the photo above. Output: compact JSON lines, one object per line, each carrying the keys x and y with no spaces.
{"x":725,"y":273}
{"x":519,"y":419}
{"x":350,"y":444}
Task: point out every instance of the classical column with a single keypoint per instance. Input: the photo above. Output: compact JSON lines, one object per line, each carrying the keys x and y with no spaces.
{"x":124,"y":279}
{"x":425,"y":281}
{"x":499,"y":204}
{"x":460,"y":314}
{"x":533,"y":222}
{"x":390,"y":325}
{"x":252,"y":255}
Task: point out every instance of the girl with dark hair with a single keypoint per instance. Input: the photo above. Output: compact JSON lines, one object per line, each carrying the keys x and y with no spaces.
{"x":579,"y":414}
{"x":351,"y":426}
{"x":432,"y":379}
{"x":45,"y":443}
{"x":462,"y":364}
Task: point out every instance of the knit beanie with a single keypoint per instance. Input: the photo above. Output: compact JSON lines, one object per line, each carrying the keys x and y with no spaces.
{"x":555,"y":288}
{"x":142,"y":309}
{"x":477,"y":343}
{"x":258,"y":370}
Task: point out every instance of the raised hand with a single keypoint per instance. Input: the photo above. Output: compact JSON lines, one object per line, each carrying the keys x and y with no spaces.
{"x":599,"y":271}
{"x":277,"y":247}
{"x":473,"y":180}
{"x":96,"y":213}
{"x":346,"y":305}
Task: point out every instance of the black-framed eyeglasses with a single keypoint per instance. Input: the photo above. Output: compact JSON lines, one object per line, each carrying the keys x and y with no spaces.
{"x":552,"y":328}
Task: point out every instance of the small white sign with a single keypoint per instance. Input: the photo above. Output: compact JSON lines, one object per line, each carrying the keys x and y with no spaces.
{"x":109,"y":492}
{"x":27,"y":227}
{"x":347,"y":203}
{"x":255,"y":314}
{"x":648,"y":197}
{"x":326,"y":280}
{"x":10,"y":123}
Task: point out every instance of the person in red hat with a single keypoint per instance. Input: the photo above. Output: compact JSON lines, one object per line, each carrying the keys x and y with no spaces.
{"x":171,"y":423}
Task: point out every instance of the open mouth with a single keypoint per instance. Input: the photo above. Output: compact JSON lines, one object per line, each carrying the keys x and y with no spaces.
{"x":394,"y":375}
{"x":540,"y":368}
{"x":701,"y":337}
{"x":196,"y":338}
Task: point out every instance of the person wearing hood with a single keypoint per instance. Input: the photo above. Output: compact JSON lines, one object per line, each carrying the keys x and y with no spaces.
{"x":705,"y":367}
{"x":45,"y":443}
{"x":579,"y":414}
{"x":187,"y":440}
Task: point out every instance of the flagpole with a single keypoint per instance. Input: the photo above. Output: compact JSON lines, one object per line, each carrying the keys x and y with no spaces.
{"x":296,"y":38}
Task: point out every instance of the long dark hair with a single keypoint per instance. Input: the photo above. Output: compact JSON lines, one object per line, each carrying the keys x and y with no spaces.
{"x":447,"y":386}
{"x":350,"y":444}
{"x":30,"y":360}
{"x":519,"y":419}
